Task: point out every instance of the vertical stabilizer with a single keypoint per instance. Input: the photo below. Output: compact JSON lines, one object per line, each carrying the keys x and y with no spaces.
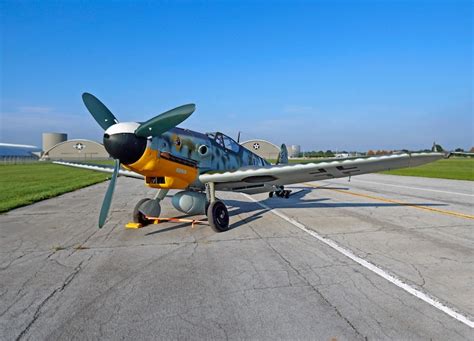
{"x":437,"y":148}
{"x":282,"y":155}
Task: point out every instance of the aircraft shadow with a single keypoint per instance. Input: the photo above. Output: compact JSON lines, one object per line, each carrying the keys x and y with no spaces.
{"x":319,"y":187}
{"x":295,"y":201}
{"x":277,"y":203}
{"x":167,"y":229}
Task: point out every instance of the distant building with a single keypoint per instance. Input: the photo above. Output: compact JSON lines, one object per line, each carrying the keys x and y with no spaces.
{"x":12,"y":153}
{"x":262,"y":148}
{"x":78,"y":150}
{"x":294,"y":150}
{"x":52,"y":139}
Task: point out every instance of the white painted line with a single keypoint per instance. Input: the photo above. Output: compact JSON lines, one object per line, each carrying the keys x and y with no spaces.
{"x":409,"y":187}
{"x":391,"y":278}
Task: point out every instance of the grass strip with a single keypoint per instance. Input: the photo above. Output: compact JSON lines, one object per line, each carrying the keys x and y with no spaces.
{"x":453,"y":168}
{"x":24,"y":184}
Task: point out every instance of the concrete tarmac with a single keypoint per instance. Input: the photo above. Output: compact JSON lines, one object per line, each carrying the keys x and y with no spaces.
{"x":63,"y":278}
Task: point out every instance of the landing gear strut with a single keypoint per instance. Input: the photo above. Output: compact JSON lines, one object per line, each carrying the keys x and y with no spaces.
{"x":217,"y":213}
{"x":280,"y":192}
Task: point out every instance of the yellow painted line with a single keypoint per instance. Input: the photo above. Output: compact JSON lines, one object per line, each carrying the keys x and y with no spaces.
{"x":437,"y":210}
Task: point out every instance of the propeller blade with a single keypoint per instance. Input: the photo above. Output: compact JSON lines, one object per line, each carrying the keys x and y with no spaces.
{"x":99,"y":111}
{"x":164,"y":122}
{"x":104,"y":210}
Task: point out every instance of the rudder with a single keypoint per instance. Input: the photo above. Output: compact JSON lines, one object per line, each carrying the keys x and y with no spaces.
{"x":282,"y":155}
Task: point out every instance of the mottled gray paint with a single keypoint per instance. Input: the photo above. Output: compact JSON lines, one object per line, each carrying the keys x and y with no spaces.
{"x":186,"y":143}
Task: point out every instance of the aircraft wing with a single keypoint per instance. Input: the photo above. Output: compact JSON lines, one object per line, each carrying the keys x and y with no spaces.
{"x":253,"y":180}
{"x":461,"y":153}
{"x":100,"y":168}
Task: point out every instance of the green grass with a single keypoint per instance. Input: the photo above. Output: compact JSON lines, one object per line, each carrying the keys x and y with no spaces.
{"x":24,"y":184}
{"x":452,"y":168}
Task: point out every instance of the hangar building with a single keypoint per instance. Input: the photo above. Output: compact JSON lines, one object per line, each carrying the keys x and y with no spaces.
{"x":78,"y":150}
{"x":262,"y":148}
{"x":14,"y":153}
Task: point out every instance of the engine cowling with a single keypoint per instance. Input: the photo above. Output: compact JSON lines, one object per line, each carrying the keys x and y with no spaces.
{"x":189,"y":202}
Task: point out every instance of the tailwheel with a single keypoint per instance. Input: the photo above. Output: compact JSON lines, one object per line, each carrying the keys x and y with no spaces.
{"x":218,"y":216}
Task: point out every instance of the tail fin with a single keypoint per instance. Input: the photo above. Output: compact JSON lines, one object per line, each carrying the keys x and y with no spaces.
{"x":437,"y":148}
{"x":282,"y":155}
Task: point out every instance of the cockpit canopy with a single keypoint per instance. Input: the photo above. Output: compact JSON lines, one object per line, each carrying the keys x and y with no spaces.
{"x":224,"y":141}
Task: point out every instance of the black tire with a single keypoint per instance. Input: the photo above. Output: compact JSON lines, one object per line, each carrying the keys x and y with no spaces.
{"x":270,"y":195}
{"x":218,"y":216}
{"x":287,"y":194}
{"x":138,"y":216}
{"x":206,"y":208}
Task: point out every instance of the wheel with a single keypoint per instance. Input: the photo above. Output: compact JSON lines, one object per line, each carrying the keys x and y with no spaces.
{"x":270,"y":194}
{"x":138,"y":216}
{"x":206,"y":209}
{"x":218,"y":216}
{"x":287,"y":194}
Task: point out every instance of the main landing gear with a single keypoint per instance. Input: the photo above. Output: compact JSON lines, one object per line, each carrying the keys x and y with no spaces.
{"x":217,"y":213}
{"x":281,"y":193}
{"x":148,"y":208}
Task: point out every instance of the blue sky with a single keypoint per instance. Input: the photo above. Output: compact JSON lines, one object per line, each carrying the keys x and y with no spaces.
{"x":333,"y":75}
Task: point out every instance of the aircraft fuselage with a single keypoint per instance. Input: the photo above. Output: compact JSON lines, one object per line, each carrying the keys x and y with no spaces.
{"x":174,"y":159}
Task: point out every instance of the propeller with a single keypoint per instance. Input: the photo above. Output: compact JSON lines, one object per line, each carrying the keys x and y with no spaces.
{"x":164,"y":122}
{"x":104,"y":210}
{"x":127,"y":141}
{"x":99,"y":111}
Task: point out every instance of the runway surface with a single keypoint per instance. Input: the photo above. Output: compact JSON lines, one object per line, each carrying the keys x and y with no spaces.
{"x":269,"y":277}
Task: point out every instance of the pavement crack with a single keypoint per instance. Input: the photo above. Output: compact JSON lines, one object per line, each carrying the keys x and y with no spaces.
{"x":114,"y":286}
{"x":12,"y":261}
{"x":423,"y":282}
{"x":107,"y":236}
{"x":20,"y":294}
{"x":303,"y":277}
{"x":84,"y":242}
{"x":37,"y":313}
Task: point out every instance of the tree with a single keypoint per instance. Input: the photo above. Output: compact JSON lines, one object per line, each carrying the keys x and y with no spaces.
{"x":329,"y":153}
{"x":471,"y":150}
{"x":459,"y":150}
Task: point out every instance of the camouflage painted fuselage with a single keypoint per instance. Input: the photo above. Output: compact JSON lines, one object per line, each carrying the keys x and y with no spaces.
{"x":175,"y":159}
